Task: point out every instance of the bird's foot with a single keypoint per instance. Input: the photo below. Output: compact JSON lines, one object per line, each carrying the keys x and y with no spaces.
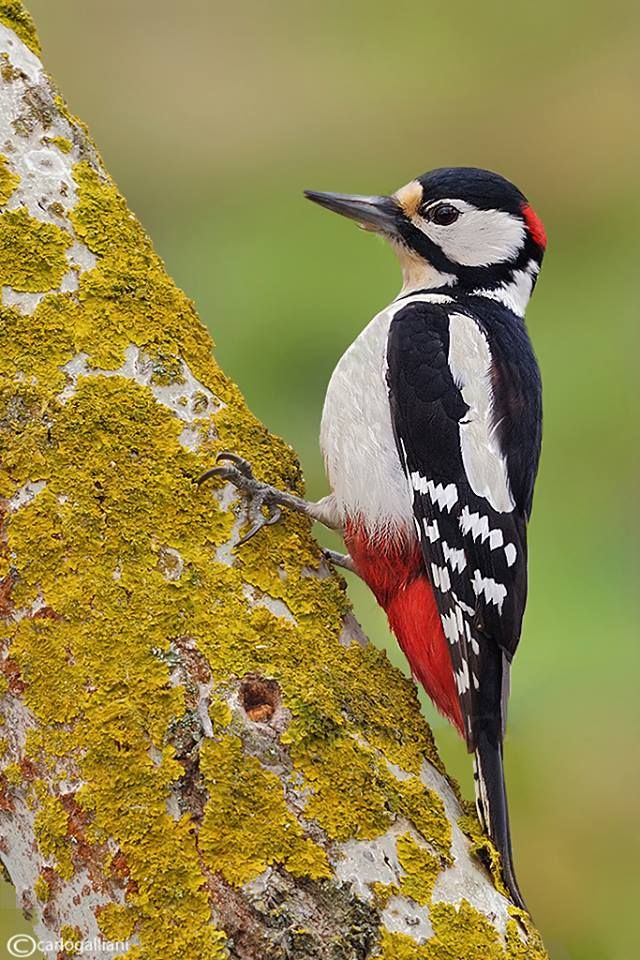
{"x":340,"y":560}
{"x":260,"y":496}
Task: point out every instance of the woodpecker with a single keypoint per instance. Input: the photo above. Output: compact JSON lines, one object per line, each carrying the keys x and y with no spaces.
{"x":431,"y":434}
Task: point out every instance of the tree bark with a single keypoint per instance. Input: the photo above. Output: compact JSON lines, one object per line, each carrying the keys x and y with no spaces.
{"x":201,"y":755}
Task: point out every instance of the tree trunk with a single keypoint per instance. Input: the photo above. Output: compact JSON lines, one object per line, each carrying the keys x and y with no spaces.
{"x":202,"y":757}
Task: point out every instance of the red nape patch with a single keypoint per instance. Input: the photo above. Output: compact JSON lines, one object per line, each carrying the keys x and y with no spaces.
{"x":394,"y":571}
{"x":535,"y":225}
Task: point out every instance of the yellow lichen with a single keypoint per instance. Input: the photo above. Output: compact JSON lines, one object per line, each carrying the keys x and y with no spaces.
{"x":529,"y":947}
{"x":115,"y":922}
{"x":382,"y":893}
{"x":118,"y":483}
{"x":420,"y":868}
{"x":127,"y":297}
{"x":337,"y":768}
{"x":41,"y":888}
{"x":14,"y":16}
{"x":97,"y":660}
{"x":400,"y":946}
{"x":426,"y":811}
{"x":247,"y":825}
{"x":62,"y":143}
{"x":32,"y":253}
{"x":459,"y":934}
{"x":8,"y":180}
{"x":219,"y":714}
{"x":462,"y":932}
{"x":8,"y":72}
{"x":51,"y":828}
{"x":483,"y":847}
{"x":13,"y":773}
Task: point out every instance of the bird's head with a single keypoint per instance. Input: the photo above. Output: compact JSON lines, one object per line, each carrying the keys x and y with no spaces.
{"x":455,"y":226}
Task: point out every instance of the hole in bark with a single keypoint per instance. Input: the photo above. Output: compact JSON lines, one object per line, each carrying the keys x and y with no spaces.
{"x":260,"y":698}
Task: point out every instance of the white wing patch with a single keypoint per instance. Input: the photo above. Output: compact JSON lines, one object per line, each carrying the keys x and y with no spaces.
{"x":510,"y":553}
{"x":462,"y":678}
{"x":478,"y":526}
{"x":470,"y":364}
{"x":454,"y":557}
{"x":444,"y":495}
{"x":432,"y":530}
{"x":493,"y":591}
{"x":441,"y":578}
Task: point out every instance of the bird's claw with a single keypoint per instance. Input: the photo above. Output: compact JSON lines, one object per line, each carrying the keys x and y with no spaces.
{"x":258,"y":494}
{"x":239,"y":473}
{"x":239,"y":462}
{"x":255,"y":510}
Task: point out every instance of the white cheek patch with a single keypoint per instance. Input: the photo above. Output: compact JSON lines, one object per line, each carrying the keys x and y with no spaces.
{"x":478,"y":238}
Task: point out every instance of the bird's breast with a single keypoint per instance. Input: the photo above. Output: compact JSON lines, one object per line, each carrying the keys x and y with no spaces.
{"x":357,"y":440}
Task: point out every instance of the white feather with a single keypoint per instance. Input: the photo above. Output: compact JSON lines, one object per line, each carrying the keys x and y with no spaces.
{"x":470,"y":364}
{"x":514,"y":294}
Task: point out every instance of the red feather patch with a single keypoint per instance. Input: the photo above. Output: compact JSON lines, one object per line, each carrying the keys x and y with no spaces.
{"x":535,"y":225}
{"x":394,"y":571}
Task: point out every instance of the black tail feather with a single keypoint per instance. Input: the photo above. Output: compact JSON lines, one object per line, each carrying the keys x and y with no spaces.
{"x":491,"y":803}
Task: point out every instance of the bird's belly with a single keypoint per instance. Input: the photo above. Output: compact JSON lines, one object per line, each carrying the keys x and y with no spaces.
{"x":357,"y":440}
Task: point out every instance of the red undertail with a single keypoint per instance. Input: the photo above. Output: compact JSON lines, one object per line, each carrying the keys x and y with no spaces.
{"x":394,"y":571}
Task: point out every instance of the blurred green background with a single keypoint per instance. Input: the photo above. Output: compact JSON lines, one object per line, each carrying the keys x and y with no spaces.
{"x":213,"y":119}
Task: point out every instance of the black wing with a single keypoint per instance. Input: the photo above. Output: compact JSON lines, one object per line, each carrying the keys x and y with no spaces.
{"x":473,"y":541}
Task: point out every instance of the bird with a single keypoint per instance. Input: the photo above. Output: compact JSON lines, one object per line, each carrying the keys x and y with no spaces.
{"x":431,"y":436}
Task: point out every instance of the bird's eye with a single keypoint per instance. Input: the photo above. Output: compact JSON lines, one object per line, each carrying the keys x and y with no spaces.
{"x":443,"y":214}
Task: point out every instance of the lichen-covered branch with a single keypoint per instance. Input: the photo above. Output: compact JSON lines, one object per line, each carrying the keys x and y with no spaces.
{"x":200,"y":754}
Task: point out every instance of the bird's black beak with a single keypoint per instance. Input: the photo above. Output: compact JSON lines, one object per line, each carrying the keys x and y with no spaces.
{"x":372,"y":213}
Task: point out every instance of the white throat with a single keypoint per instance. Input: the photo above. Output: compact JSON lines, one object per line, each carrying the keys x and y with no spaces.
{"x":417,"y":273}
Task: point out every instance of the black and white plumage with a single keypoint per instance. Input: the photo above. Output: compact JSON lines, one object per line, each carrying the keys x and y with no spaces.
{"x":467,"y":421}
{"x":466,"y":411}
{"x":431,"y":438}
{"x":431,"y":434}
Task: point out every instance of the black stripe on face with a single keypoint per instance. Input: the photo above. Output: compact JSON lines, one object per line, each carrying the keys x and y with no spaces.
{"x":468,"y":277}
